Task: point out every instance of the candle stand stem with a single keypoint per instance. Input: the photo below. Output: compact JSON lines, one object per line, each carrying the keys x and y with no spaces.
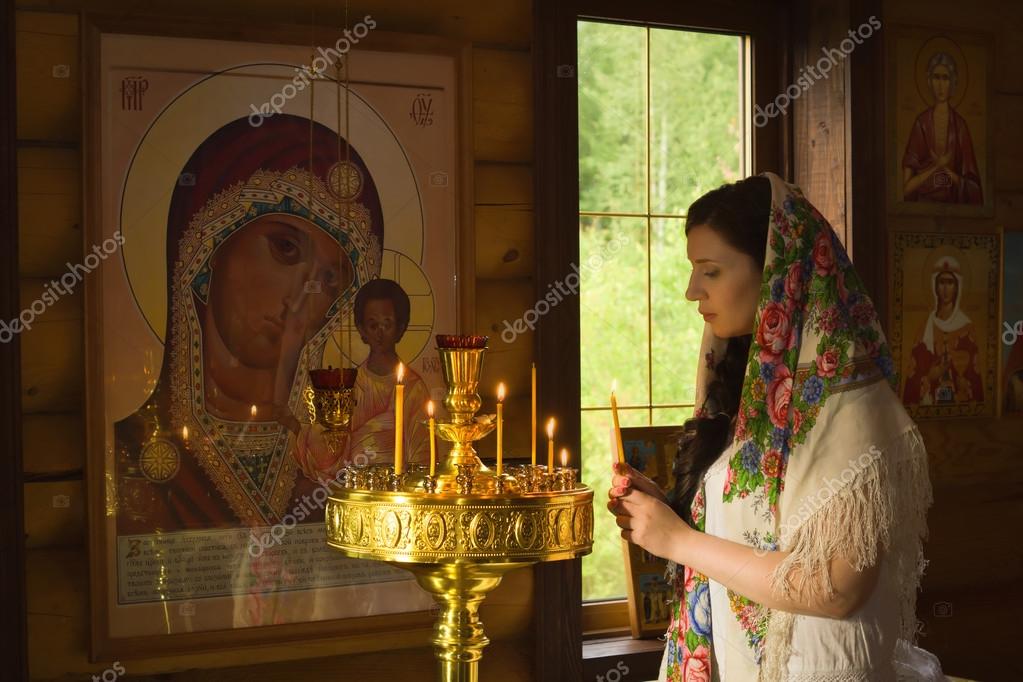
{"x":459,"y":589}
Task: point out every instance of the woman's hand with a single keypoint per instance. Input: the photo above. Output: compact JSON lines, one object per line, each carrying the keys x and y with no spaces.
{"x":624,"y":479}
{"x":650,"y":523}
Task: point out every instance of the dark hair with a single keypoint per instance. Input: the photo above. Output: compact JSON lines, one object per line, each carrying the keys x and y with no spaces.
{"x":739,"y":213}
{"x":384,"y":290}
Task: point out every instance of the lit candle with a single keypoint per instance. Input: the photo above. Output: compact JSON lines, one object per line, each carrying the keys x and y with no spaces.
{"x":618,"y":428}
{"x":253,"y":411}
{"x":533,"y":431}
{"x":500,"y":428}
{"x":550,"y":445}
{"x":399,"y":400}
{"x":564,"y":458}
{"x":184,"y":433}
{"x":433,"y":439}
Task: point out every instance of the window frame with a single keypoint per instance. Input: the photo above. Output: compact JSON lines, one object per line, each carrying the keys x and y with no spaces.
{"x":558,"y":609}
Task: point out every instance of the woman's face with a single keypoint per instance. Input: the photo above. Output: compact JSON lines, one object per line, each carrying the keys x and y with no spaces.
{"x":941,"y":82}
{"x":278,"y":269}
{"x":947,"y":288}
{"x":379,"y":325}
{"x":725,"y":282}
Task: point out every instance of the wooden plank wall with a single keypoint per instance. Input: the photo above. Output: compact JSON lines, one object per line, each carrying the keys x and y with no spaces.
{"x":974,"y":576}
{"x":50,"y":230}
{"x":976,"y":563}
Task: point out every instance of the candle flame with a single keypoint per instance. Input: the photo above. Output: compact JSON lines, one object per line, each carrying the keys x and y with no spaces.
{"x":550,"y":428}
{"x":500,"y":391}
{"x":401,"y":372}
{"x":184,"y":433}
{"x":253,"y":411}
{"x":429,"y":409}
{"x":564,"y":457}
{"x":614,"y":386}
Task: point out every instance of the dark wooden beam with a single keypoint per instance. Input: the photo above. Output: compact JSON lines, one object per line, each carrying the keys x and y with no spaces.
{"x":558,"y":585}
{"x":866,"y":158}
{"x":13,"y":637}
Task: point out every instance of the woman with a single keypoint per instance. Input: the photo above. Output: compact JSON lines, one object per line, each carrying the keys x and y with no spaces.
{"x":794,"y":467}
{"x":264,"y":251}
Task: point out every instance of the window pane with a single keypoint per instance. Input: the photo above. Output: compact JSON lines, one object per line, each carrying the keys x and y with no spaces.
{"x":613,"y":310}
{"x":604,"y":567}
{"x":695,"y":123}
{"x":677,"y":327}
{"x":612,"y":118}
{"x":671,"y":416}
{"x":636,"y":325}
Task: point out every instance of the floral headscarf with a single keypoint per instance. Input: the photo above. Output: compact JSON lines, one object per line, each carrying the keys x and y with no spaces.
{"x":816,"y":345}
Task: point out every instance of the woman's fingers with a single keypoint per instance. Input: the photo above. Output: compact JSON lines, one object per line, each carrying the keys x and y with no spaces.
{"x":614,"y":493}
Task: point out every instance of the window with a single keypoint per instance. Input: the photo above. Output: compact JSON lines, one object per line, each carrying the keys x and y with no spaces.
{"x":661,"y":121}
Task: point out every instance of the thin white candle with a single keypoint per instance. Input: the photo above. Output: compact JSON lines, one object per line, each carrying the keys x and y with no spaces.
{"x":399,"y":400}
{"x":618,"y":428}
{"x":550,"y":445}
{"x":500,"y":428}
{"x":533,"y":417}
{"x":433,"y":439}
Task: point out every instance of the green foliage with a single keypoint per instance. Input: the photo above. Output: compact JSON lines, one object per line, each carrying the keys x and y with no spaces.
{"x":636,"y":325}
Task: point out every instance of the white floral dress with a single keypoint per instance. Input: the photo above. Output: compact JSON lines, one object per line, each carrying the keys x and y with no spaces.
{"x":823,"y":649}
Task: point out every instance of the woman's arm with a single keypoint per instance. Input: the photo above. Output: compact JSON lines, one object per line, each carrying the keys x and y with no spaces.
{"x":653,"y":525}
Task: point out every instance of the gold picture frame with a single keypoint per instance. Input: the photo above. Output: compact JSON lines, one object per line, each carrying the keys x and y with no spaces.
{"x":939,"y":79}
{"x":413,"y":85}
{"x":650,"y":450}
{"x":948,"y":365}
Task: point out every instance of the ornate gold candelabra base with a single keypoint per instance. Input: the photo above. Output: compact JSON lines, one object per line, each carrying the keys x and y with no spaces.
{"x":459,"y":547}
{"x":459,"y":531}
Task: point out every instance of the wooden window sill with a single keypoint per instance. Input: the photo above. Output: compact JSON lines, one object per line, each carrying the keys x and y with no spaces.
{"x":632,"y":659}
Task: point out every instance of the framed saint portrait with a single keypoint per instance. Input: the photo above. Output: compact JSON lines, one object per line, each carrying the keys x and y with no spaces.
{"x":650,"y":450}
{"x":265,"y":207}
{"x":939,"y":85}
{"x":1011,"y":333}
{"x":944,"y":332}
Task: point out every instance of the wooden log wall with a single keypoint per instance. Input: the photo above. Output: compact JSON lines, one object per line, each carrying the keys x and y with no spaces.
{"x":975,"y":576}
{"x":50,"y":227}
{"x":973,"y":579}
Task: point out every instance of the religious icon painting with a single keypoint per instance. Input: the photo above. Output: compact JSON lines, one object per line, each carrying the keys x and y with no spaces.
{"x":1011,"y":333}
{"x":939,"y":122}
{"x":276,"y":210}
{"x":945,"y":312}
{"x":651,"y":451}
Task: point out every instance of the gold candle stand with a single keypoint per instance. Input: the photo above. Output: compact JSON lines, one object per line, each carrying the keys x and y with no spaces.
{"x":460,"y":531}
{"x":332,"y":407}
